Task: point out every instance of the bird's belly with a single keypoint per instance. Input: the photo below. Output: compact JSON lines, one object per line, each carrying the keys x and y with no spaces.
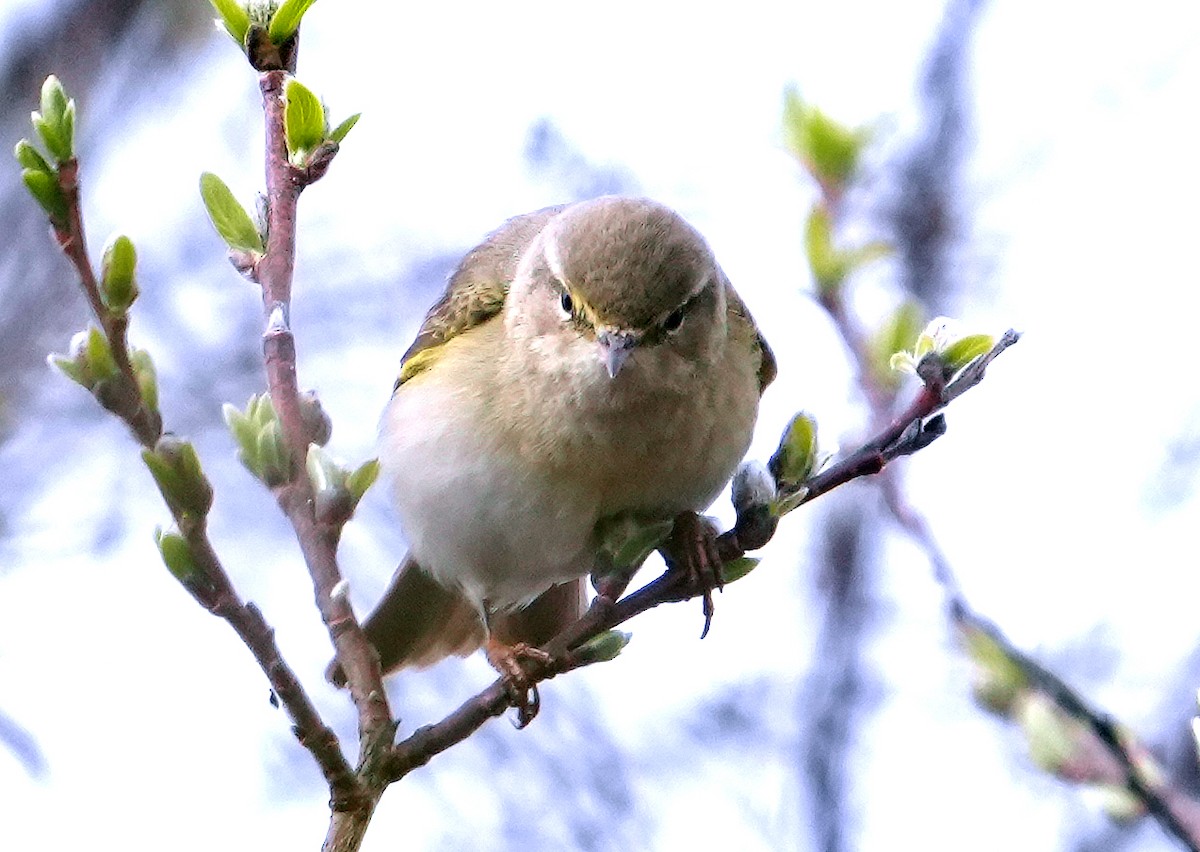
{"x":501,"y":498}
{"x":476,"y":512}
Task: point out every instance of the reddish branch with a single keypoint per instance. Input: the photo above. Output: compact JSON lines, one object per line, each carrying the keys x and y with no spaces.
{"x":213,"y":588}
{"x":318,"y":541}
{"x":910,"y":432}
{"x":1177,"y":813}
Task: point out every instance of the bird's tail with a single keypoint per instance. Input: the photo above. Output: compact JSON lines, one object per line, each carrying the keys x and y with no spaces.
{"x":419,"y":622}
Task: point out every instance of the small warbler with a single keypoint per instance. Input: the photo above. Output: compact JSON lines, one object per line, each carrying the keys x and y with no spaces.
{"x":586,"y":361}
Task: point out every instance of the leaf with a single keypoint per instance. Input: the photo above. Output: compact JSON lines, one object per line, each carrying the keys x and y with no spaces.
{"x":304,"y":120}
{"x":147,"y":377}
{"x":177,"y":555}
{"x":29,"y":158}
{"x":362,"y":478}
{"x":603,"y":648}
{"x":796,"y":457}
{"x":44,"y":188}
{"x":117,"y":285}
{"x":234,"y":18}
{"x":826,"y":148}
{"x":963,"y":351}
{"x":733,"y":571}
{"x":99,"y":355}
{"x":339,"y":132}
{"x":230,"y":219}
{"x":828,"y":267}
{"x":287,"y":19}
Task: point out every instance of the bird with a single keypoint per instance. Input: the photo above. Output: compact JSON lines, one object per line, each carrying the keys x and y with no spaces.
{"x":586,"y":361}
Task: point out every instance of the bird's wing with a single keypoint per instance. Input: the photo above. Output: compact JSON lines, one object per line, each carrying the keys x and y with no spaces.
{"x":476,"y":291}
{"x":740,"y":314}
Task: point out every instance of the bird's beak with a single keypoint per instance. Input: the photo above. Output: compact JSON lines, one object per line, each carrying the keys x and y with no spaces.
{"x":615,"y":347}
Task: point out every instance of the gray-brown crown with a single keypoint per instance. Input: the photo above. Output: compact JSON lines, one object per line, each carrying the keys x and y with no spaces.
{"x":632,"y":260}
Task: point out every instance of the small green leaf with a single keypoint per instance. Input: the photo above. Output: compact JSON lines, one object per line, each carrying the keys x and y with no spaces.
{"x":796,"y":458}
{"x":362,"y":478}
{"x":147,"y":377}
{"x":243,"y":431}
{"x":829,"y":150}
{"x":176,"y":468}
{"x":339,"y":132}
{"x":733,"y":571}
{"x":56,"y":122}
{"x":286,"y":20}
{"x":54,"y":100}
{"x":230,"y":219}
{"x":118,"y":287}
{"x":66,"y":128}
{"x":72,"y":369}
{"x":629,"y":540}
{"x":272,"y":455}
{"x":44,"y":188}
{"x":603,"y":648}
{"x":29,"y":158}
{"x":304,"y":121}
{"x":177,"y":555}
{"x":234,"y":18}
{"x":169,"y":482}
{"x":998,"y":680}
{"x":829,"y":268}
{"x":99,"y":355}
{"x":963,"y":351}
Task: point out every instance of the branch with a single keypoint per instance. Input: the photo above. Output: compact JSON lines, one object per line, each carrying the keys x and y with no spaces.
{"x":1108,"y":754}
{"x":569,"y":649}
{"x":197,"y":566}
{"x":318,"y":539}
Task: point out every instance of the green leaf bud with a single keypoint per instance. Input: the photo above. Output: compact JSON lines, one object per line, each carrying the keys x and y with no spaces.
{"x":736,"y":569}
{"x":627,"y":540}
{"x":304,"y":121}
{"x":146,"y":376}
{"x":228,"y":217}
{"x":829,"y":150}
{"x":362,"y":478}
{"x":176,"y":469}
{"x":286,"y":19}
{"x":44,"y":188}
{"x":339,"y":132}
{"x":177,"y":555}
{"x":118,"y":285}
{"x":603,"y":648}
{"x":55,"y":124}
{"x":99,"y":355}
{"x":234,"y":18}
{"x":966,"y":349}
{"x":797,"y":456}
{"x":29,"y":158}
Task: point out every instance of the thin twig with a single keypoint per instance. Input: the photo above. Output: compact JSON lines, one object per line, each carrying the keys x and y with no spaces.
{"x":898,"y":438}
{"x":213,"y":588}
{"x":1163,"y":802}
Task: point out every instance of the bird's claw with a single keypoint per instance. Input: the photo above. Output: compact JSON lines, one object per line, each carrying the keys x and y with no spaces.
{"x":522,"y":692}
{"x":692,"y":549}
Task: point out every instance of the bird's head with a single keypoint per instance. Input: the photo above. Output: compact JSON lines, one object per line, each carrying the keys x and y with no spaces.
{"x":614,"y":277}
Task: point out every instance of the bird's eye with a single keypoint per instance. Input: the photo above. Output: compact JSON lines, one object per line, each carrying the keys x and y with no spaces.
{"x":673,"y":321}
{"x":567,"y":304}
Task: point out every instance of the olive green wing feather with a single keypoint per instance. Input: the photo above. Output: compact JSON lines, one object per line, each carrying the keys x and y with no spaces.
{"x":739,"y":315}
{"x":476,"y":291}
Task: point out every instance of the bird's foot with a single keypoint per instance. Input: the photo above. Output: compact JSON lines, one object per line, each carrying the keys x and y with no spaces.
{"x":692,"y":549}
{"x":522,"y":692}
